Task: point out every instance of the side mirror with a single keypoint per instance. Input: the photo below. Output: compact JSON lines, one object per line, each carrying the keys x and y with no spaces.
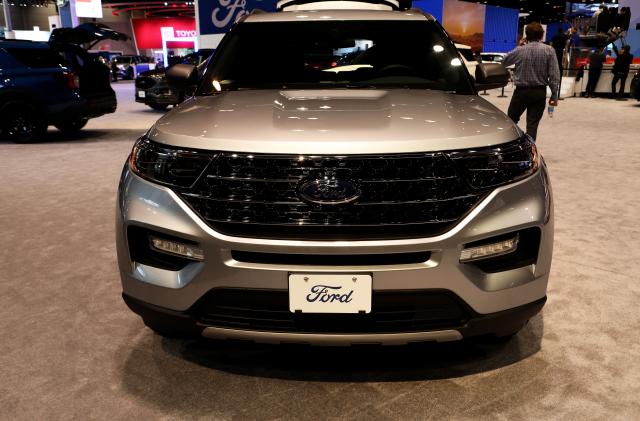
{"x":491,"y":76}
{"x":182,"y":76}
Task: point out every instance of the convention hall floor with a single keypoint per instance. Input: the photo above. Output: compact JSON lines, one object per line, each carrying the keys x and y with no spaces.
{"x":70,"y":349}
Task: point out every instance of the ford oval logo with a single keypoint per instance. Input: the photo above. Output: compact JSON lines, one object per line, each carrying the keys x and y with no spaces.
{"x":329,"y":191}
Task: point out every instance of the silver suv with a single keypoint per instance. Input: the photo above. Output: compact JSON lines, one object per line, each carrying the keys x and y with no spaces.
{"x":335,"y":180}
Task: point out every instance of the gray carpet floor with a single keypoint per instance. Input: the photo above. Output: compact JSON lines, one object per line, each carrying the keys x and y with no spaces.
{"x":70,"y":349}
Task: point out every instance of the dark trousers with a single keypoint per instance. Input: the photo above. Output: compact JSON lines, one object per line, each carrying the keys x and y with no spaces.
{"x":531,"y":100}
{"x":594,"y":77}
{"x":619,"y":77}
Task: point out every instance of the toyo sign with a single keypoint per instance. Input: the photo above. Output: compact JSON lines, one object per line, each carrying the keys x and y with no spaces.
{"x":217,"y":16}
{"x":181,"y":33}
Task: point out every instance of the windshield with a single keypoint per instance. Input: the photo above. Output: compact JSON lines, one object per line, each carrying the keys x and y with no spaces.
{"x":336,"y":54}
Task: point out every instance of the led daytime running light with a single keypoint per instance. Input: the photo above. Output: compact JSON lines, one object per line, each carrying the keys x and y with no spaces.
{"x":489,"y":250}
{"x":179,"y":249}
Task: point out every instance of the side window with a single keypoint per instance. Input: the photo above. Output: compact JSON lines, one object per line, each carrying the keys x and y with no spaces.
{"x":467,"y":54}
{"x":36,"y":58}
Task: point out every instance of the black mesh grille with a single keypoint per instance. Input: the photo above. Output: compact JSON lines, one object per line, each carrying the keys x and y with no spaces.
{"x":143,"y":82}
{"x":402,"y":196}
{"x":391,"y":312}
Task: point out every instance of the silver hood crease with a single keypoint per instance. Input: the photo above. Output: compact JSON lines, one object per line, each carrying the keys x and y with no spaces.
{"x":335,"y":122}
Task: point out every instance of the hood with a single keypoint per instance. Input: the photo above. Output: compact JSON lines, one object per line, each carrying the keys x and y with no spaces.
{"x":335,"y":122}
{"x":85,"y":33}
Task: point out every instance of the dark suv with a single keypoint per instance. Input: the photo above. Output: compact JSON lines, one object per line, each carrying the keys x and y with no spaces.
{"x":153,"y":90}
{"x":57,"y":83}
{"x":125,"y":66}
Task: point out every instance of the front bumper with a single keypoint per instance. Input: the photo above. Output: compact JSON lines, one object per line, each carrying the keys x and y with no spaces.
{"x":159,"y":94}
{"x":511,"y":296}
{"x":496,"y":324}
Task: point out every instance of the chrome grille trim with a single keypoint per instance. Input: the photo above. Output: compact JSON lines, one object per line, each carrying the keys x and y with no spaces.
{"x":403,"y":196}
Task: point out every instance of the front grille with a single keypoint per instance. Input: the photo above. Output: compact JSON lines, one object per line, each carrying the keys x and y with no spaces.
{"x":332,"y":259}
{"x":391,"y":312}
{"x":144,"y":82}
{"x":401,"y":196}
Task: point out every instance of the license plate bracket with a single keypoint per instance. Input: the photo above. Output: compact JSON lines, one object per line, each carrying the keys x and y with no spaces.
{"x":330,"y":293}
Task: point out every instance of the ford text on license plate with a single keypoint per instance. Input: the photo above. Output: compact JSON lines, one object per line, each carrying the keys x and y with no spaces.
{"x":330,"y":293}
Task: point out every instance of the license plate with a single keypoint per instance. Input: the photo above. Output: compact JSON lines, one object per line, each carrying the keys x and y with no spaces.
{"x":142,"y":94}
{"x":330,"y":293}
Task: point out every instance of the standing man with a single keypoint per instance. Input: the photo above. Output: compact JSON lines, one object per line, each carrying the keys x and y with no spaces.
{"x":621,"y":69}
{"x":536,"y":67}
{"x":596,"y":60}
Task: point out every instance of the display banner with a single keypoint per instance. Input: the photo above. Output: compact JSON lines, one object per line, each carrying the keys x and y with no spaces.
{"x":464,"y":22}
{"x":148,"y":32}
{"x":89,"y":8}
{"x":217,"y":16}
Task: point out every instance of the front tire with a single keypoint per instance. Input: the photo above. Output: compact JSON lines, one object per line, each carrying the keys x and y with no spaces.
{"x":72,"y":126}
{"x":22,"y":123}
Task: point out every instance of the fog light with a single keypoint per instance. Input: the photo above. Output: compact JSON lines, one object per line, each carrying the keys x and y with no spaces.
{"x":489,"y":250}
{"x":179,"y":249}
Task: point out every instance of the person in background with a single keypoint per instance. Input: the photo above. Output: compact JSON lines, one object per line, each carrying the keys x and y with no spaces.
{"x":536,"y":67}
{"x":620,"y":70}
{"x":574,"y":38}
{"x":114,"y":70}
{"x":596,"y":61}
{"x":559,"y":43}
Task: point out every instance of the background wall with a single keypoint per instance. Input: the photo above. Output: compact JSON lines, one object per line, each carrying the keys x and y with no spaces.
{"x":500,"y":29}
{"x":434,"y":7}
{"x":25,"y":18}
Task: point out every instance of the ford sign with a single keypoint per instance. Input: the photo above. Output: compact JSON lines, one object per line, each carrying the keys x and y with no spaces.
{"x":329,"y":191}
{"x":217,"y":16}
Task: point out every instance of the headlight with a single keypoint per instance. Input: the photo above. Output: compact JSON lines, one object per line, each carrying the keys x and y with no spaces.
{"x":168,"y":165}
{"x":495,"y":166}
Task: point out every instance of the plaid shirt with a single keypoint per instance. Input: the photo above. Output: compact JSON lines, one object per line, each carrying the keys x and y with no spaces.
{"x":536,"y":65}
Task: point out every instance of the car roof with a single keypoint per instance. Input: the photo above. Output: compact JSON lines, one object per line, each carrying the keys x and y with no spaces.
{"x":338,"y":15}
{"x":22,"y":44}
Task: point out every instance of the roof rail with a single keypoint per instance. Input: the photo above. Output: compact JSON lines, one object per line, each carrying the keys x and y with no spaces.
{"x":393,"y":4}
